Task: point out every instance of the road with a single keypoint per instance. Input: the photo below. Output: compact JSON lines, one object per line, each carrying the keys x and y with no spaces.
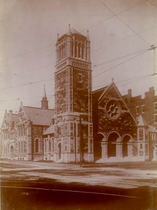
{"x":43,"y":185}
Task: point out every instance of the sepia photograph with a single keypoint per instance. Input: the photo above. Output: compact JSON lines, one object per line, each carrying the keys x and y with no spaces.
{"x":78,"y":105}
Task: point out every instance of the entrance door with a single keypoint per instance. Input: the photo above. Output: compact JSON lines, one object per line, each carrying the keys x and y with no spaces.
{"x":112,"y":144}
{"x":59,"y":151}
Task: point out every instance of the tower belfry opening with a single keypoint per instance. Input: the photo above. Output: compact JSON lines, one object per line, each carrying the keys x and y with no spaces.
{"x":73,"y":44}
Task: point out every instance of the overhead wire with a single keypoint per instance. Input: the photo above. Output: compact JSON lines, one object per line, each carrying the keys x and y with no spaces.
{"x":116,"y":15}
{"x":152,"y":3}
{"x":51,"y":96}
{"x":30,"y":83}
{"x":51,"y":45}
{"x":123,"y":39}
{"x":97,"y":49}
{"x":119,"y":64}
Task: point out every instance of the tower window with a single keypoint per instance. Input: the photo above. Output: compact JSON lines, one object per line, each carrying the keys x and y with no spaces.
{"x":155,"y":106}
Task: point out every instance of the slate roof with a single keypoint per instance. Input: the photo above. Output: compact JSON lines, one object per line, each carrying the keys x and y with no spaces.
{"x":50,"y":130}
{"x":141,"y":121}
{"x":97,"y":93}
{"x":151,"y":128}
{"x":71,"y":31}
{"x":39,"y":116}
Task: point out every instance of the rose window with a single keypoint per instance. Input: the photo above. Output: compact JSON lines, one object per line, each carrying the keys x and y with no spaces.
{"x":113,"y":109}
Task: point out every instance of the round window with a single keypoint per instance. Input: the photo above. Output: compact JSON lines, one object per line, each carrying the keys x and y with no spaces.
{"x":113,"y":109}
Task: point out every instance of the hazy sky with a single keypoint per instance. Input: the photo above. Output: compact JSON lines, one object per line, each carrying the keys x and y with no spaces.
{"x":121,"y":32}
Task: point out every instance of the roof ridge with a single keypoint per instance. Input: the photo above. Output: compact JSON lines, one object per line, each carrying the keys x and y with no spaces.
{"x":99,"y":89}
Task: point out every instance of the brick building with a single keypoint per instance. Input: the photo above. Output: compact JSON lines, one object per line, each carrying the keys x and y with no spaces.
{"x":87,"y":126}
{"x":147,"y":106}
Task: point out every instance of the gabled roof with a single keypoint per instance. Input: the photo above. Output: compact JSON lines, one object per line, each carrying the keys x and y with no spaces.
{"x":97,"y":93}
{"x":141,"y":121}
{"x":50,"y":130}
{"x":6,"y":117}
{"x":39,"y":116}
{"x":108,"y":88}
{"x":14,"y":117}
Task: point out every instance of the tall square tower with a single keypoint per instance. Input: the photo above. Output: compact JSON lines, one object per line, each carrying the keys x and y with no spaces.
{"x":73,"y":98}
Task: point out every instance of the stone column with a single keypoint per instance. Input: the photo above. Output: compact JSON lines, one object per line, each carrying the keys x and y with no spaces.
{"x":130,"y":148}
{"x":73,"y":47}
{"x":104,"y":147}
{"x":69,"y":49}
{"x":119,"y":148}
{"x":88,"y":51}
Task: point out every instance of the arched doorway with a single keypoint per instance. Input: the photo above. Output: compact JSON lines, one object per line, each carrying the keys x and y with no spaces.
{"x":125,"y":146}
{"x":59,"y":151}
{"x":97,"y":147}
{"x":11,"y":151}
{"x":112,"y":138}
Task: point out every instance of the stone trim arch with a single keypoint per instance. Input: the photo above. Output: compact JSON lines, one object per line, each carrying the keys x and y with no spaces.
{"x":108,"y":134}
{"x":123,"y":136}
{"x":127,"y":145}
{"x":114,"y":144}
{"x":99,"y":138}
{"x":103,"y":134}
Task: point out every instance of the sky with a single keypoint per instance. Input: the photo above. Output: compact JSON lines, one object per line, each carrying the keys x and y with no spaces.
{"x":121,"y":32}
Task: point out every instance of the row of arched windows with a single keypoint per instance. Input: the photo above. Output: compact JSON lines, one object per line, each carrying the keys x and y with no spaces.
{"x":78,"y":49}
{"x":48,"y":145}
{"x":21,"y":147}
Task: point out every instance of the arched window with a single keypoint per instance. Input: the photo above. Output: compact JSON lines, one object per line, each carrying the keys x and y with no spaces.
{"x":52,"y":144}
{"x":49,"y":145}
{"x":37,"y":145}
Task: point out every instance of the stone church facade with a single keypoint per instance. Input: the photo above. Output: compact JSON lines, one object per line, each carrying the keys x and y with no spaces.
{"x":85,"y":125}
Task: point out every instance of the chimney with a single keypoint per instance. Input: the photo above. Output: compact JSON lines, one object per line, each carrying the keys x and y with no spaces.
{"x":130,"y":93}
{"x":151,"y":91}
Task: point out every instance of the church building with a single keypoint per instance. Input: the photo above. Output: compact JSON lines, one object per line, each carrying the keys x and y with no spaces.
{"x":85,"y":125}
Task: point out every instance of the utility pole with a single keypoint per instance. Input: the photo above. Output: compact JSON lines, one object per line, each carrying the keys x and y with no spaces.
{"x":80,"y":142}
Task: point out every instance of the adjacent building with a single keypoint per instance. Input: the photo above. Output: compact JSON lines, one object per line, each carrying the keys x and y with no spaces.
{"x":21,"y":133}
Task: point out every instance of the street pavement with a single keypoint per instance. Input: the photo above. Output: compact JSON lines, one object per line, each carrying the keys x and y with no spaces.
{"x":48,"y":185}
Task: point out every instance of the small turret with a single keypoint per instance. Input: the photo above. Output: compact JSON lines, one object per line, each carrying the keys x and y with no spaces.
{"x":44,"y":101}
